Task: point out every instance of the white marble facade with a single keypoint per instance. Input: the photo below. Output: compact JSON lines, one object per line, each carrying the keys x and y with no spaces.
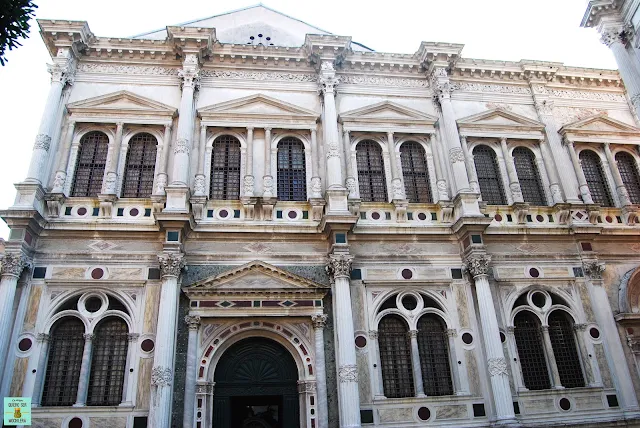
{"x":191,"y":277}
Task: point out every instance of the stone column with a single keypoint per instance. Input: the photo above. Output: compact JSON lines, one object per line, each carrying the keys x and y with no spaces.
{"x":582,"y":180}
{"x":616,"y":38}
{"x":162,"y":373}
{"x":327,"y":86}
{"x":350,"y":182}
{"x":36,"y":394}
{"x":199,"y":184}
{"x":110,"y":179}
{"x":471,"y":168}
{"x":190,"y":382}
{"x":162,"y":178}
{"x":339,"y":269}
{"x":61,"y":171}
{"x":397,"y":186}
{"x":12,"y":266}
{"x":316,"y":181}
{"x":515,"y":368}
{"x":129,"y":377}
{"x":551,"y":358}
{"x":85,"y":371}
{"x":550,"y":167}
{"x":478,"y":266}
{"x":453,"y":362}
{"x":319,"y":323}
{"x":268,"y":190}
{"x":62,"y":72}
{"x":514,"y":183}
{"x":579,"y":330}
{"x":415,"y":363}
{"x":623,"y":194}
{"x":611,"y":340}
{"x":441,"y":181}
{"x":190,"y":75}
{"x":377,"y":365}
{"x":248,"y":181}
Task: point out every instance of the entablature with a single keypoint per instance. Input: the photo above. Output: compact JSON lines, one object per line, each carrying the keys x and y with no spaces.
{"x":601,"y":129}
{"x":498,"y":123}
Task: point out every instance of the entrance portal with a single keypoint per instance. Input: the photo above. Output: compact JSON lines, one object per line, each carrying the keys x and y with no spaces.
{"x":256,"y":387}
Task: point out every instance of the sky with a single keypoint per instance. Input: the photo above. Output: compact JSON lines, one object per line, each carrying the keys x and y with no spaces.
{"x":490,"y":29}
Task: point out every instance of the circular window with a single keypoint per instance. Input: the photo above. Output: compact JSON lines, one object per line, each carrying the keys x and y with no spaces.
{"x":424,"y":413}
{"x":497,"y":217}
{"x":594,"y":333}
{"x":467,"y":338}
{"x":93,"y":304}
{"x":361,"y":341}
{"x":609,"y":219}
{"x":409,"y":303}
{"x":539,"y":299}
{"x":422,"y":217}
{"x":25,"y":344}
{"x":375,"y":216}
{"x":503,"y":338}
{"x":82,"y":211}
{"x":147,"y":345}
{"x":565,"y":404}
{"x":97,"y":273}
{"x":133,"y":212}
{"x":539,"y":218}
{"x":407,"y":274}
{"x":223,"y":213}
{"x":292,"y":215}
{"x":534,"y":273}
{"x":75,"y":423}
{"x":630,"y":330}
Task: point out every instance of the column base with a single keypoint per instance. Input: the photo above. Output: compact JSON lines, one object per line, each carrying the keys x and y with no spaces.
{"x":79,"y":405}
{"x":510,"y":422}
{"x":29,"y":196}
{"x":249,"y":203}
{"x":466,"y":204}
{"x":177,"y":199}
{"x":337,"y":202}
{"x":267,"y":207}
{"x":317,"y":208}
{"x":197,"y":206}
{"x":401,"y":209}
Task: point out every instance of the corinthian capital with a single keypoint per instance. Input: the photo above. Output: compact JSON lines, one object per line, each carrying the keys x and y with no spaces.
{"x":440,"y":83}
{"x":319,"y":321}
{"x":13,"y":264}
{"x":63,"y":69}
{"x":171,"y":264}
{"x":339,"y":265}
{"x":477,"y":264}
{"x":190,"y":73}
{"x":327,"y":81}
{"x":593,"y":269}
{"x":619,"y":34}
{"x":193,"y":321}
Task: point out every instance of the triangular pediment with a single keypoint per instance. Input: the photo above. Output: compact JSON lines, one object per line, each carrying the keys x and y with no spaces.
{"x":257,"y":277}
{"x":124,"y":102}
{"x":499,"y":118}
{"x":600,"y":123}
{"x":386,"y":111}
{"x":258,"y":105}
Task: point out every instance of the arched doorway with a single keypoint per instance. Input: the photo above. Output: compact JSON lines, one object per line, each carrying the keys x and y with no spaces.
{"x":256,"y":386}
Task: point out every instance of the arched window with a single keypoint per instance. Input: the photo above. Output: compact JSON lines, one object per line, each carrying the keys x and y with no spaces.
{"x":395,"y":357}
{"x":630,"y":177}
{"x":140,"y":167}
{"x":528,"y":336}
{"x":108,"y":362}
{"x":489,"y":175}
{"x":434,"y":355}
{"x":90,"y":164}
{"x":66,"y":345}
{"x":225,"y":168}
{"x":528,"y":176}
{"x":415,"y":172}
{"x":592,"y":169}
{"x":292,"y":172}
{"x":563,"y":343}
{"x":371,"y":179}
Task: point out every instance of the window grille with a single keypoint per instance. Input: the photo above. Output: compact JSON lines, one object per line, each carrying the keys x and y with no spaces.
{"x":140,"y":167}
{"x":292,"y":172}
{"x":488,"y":173}
{"x":529,"y":176}
{"x":108,"y":363}
{"x":225,"y":168}
{"x":92,"y":158}
{"x":371,"y":178}
{"x":415,"y":172}
{"x":434,"y":355}
{"x":598,"y":187}
{"x":528,"y":334}
{"x":395,"y":357}
{"x":563,"y":343}
{"x":630,"y":177}
{"x":66,"y":345}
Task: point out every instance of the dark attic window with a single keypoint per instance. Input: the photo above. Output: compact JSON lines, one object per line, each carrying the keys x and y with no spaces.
{"x":260,"y":39}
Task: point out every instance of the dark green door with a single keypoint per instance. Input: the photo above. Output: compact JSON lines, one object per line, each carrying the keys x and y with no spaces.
{"x":256,"y":387}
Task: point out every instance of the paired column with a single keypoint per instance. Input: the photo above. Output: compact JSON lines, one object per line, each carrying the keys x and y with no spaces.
{"x":615,"y":39}
{"x":339,"y":269}
{"x":471,"y":168}
{"x":171,"y":265}
{"x":550,"y":167}
{"x":316,"y":181}
{"x":268,"y":190}
{"x":12,"y":267}
{"x":623,"y":194}
{"x":441,"y":181}
{"x":199,"y":184}
{"x":415,"y":363}
{"x":396,"y":183}
{"x":611,"y":340}
{"x":162,"y":178}
{"x":478,"y":266}
{"x":193,"y":321}
{"x":327,"y":86}
{"x":61,"y":171}
{"x":111,"y":175}
{"x":249,"y":181}
{"x":582,"y":180}
{"x":319,"y":323}
{"x":62,"y":72}
{"x":85,"y":371}
{"x":514,"y":183}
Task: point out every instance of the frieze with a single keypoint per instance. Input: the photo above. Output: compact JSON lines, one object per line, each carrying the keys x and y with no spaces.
{"x":384,"y":81}
{"x":127,"y":69}
{"x":490,"y":87}
{"x":259,"y":75}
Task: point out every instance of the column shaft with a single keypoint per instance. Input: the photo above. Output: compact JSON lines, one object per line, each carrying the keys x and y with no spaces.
{"x":471,"y":169}
{"x":514,"y":183}
{"x":61,"y":170}
{"x":111,"y":170}
{"x":550,"y":166}
{"x":321,"y":374}
{"x":456,"y":156}
{"x":182,"y":148}
{"x":190,"y":381}
{"x":457,"y":385}
{"x":199,"y":184}
{"x":248,"y":184}
{"x":36,"y":395}
{"x":12,"y":266}
{"x":551,"y":358}
{"x":627,"y":71}
{"x":85,"y":372}
{"x":161,"y":177}
{"x":582,"y":180}
{"x":350,"y":182}
{"x":328,"y":83}
{"x":397,"y":187}
{"x":623,"y":194}
{"x":127,"y":391}
{"x":415,"y":363}
{"x":268,"y":190}
{"x":316,"y":181}
{"x":441,"y":181}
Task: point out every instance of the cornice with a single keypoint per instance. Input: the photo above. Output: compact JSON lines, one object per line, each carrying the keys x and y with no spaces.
{"x":597,"y":9}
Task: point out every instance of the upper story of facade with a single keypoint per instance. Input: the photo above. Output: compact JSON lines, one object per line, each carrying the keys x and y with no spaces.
{"x":254,"y":121}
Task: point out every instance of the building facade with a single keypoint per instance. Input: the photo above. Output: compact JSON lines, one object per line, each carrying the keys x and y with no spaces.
{"x":246,"y":221}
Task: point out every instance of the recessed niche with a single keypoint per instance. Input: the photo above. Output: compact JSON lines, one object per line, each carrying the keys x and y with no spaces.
{"x":424,"y":413}
{"x":407,"y":273}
